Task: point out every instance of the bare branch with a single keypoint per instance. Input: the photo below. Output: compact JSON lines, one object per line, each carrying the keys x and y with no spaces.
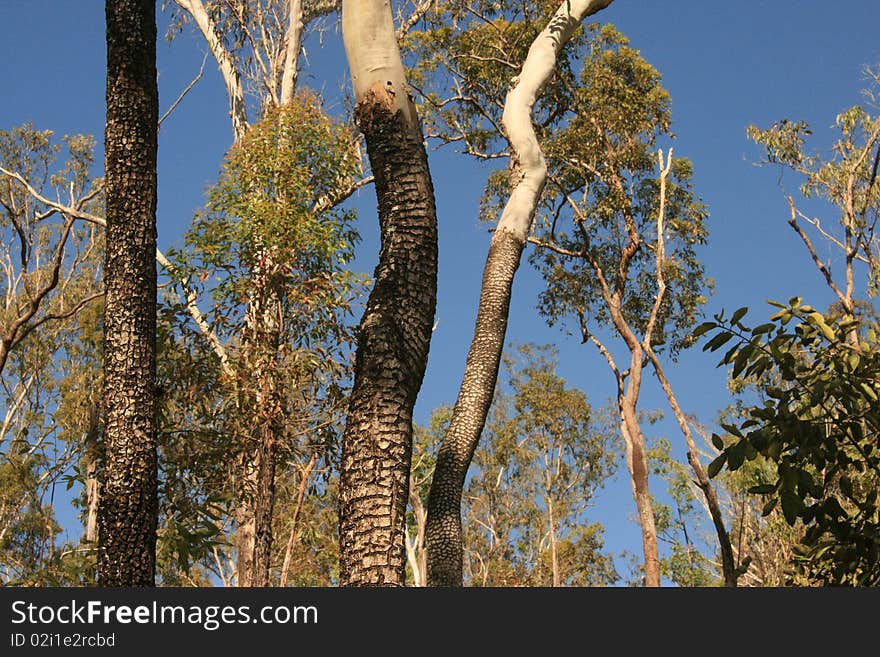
{"x":847,"y":303}
{"x":185,"y":91}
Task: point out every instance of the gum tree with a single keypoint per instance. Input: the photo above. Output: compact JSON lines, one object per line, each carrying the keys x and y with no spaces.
{"x":127,"y":511}
{"x":395,"y":331}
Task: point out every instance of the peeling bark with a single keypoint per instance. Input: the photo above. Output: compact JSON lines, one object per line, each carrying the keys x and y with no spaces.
{"x":128,"y":504}
{"x":395,"y":331}
{"x":529,"y":173}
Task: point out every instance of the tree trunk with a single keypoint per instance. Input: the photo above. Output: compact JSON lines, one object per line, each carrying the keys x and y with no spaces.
{"x":395,"y":331}
{"x":264,"y":505}
{"x":128,"y":505}
{"x":444,"y":540}
{"x":637,"y":464}
{"x":728,"y":565}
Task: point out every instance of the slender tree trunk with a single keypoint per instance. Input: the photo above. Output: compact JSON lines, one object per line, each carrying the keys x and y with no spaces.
{"x":728,"y":565}
{"x":416,"y":553}
{"x":128,"y":506}
{"x":305,"y":477}
{"x":231,"y":76}
{"x":395,"y":331}
{"x":554,"y":552}
{"x":637,"y":464}
{"x":264,"y":504}
{"x":528,"y":169}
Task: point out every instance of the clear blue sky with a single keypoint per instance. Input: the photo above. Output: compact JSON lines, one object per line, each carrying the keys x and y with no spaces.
{"x":726,"y":65}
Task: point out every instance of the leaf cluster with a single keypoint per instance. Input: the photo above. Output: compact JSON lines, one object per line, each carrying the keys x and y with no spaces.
{"x":818,"y":427}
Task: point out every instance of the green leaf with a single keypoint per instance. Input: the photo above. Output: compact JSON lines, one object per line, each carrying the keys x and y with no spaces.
{"x":717,"y":341}
{"x":716,"y":465}
{"x":735,"y":456}
{"x":717,"y":441}
{"x":771,"y":504}
{"x":738,"y":315}
{"x":792,"y":506}
{"x":703,"y":328}
{"x":819,"y":321}
{"x":763,"y":328}
{"x":762,"y":489}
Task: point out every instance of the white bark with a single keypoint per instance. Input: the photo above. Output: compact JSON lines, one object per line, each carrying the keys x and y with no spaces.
{"x":537,"y":70}
{"x":373,"y":55}
{"x":231,"y":77}
{"x":293,"y":43}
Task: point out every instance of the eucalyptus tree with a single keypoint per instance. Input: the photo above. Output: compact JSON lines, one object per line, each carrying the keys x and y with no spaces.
{"x":257,"y":46}
{"x":395,"y":330}
{"x":127,"y":513}
{"x":544,"y":457}
{"x":492,"y":62}
{"x":598,"y":237}
{"x":266,"y":391}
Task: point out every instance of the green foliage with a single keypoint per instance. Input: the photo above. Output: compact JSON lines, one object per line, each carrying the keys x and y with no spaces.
{"x":50,"y":327}
{"x":271,"y":252}
{"x":261,"y":222}
{"x":464,"y":60}
{"x":845,"y":179}
{"x":818,"y":427}
{"x":600,"y":207}
{"x":539,"y":465}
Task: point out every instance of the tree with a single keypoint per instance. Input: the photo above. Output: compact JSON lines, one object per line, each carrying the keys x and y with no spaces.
{"x":535,"y":476}
{"x":52,"y":289}
{"x":818,"y":429}
{"x":527,"y":176}
{"x":815,"y":426}
{"x":127,"y":511}
{"x":395,"y":331}
{"x":269,"y":387}
{"x":256,"y":45}
{"x":599,"y":229}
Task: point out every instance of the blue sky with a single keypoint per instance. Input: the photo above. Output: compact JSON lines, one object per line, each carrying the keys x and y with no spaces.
{"x":725,"y":64}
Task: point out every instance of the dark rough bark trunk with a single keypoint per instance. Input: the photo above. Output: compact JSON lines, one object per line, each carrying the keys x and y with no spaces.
{"x":392,"y":352}
{"x":128,"y":506}
{"x":264,"y":505}
{"x":443,"y":534}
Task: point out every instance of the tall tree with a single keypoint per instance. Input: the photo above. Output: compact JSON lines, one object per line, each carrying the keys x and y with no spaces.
{"x":268,"y":388}
{"x":395,"y":331}
{"x":528,"y":173}
{"x":599,"y":230}
{"x":817,"y":425}
{"x":128,"y":507}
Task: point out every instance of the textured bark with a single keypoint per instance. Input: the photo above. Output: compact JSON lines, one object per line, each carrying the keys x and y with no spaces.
{"x":128,"y":505}
{"x":392,"y":350}
{"x":264,"y":505}
{"x":444,"y":535}
{"x":529,"y":171}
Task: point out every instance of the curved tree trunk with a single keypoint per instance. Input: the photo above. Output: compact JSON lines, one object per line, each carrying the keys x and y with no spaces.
{"x":395,"y":331}
{"x":128,"y":504}
{"x":528,"y":168}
